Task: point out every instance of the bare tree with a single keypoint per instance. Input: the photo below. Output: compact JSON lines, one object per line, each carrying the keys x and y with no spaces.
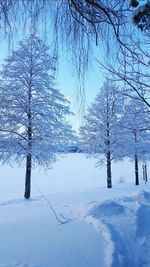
{"x":132,"y":70}
{"x":77,"y":23}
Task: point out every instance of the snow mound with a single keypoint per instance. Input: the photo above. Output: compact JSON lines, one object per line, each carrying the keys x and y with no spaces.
{"x":108,"y":208}
{"x":126,"y":199}
{"x":143,"y":197}
{"x":124,"y":223}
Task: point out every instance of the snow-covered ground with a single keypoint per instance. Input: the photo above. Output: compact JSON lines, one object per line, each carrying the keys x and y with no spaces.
{"x":102,"y":228}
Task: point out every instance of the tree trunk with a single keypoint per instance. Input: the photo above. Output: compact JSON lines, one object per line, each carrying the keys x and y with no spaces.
{"x":145,"y":172}
{"x":28,"y":177}
{"x":136,"y":171}
{"x":29,"y":134}
{"x":109,"y":182}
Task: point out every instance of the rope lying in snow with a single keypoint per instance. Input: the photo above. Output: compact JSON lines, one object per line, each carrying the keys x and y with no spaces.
{"x":50,"y":204}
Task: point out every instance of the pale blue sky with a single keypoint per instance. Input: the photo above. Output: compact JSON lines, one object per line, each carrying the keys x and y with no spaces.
{"x":67,"y":82}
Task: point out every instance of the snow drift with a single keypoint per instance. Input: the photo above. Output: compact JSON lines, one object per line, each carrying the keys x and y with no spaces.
{"x":125,"y":225}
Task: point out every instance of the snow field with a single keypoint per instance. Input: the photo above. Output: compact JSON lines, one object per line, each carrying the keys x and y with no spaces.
{"x":103,"y":228}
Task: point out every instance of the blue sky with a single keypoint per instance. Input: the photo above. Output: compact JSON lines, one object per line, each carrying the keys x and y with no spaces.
{"x":67,"y":82}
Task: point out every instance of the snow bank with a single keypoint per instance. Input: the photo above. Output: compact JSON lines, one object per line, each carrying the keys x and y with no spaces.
{"x":125,"y":225}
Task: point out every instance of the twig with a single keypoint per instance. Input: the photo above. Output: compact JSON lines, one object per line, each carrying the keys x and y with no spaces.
{"x":50,"y":204}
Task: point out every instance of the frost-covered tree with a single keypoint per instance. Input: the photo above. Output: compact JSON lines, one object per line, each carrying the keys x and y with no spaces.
{"x":136,"y":133}
{"x":141,"y":15}
{"x":100,"y":133}
{"x":33,"y":112}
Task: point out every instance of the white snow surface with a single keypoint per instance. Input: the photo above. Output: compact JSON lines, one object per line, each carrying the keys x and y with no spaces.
{"x":124,"y":223}
{"x":102,"y":227}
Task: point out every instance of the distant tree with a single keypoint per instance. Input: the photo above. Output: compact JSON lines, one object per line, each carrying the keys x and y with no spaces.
{"x":136,"y":133}
{"x":100,"y":133}
{"x":33,"y":112}
{"x":145,"y":175}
